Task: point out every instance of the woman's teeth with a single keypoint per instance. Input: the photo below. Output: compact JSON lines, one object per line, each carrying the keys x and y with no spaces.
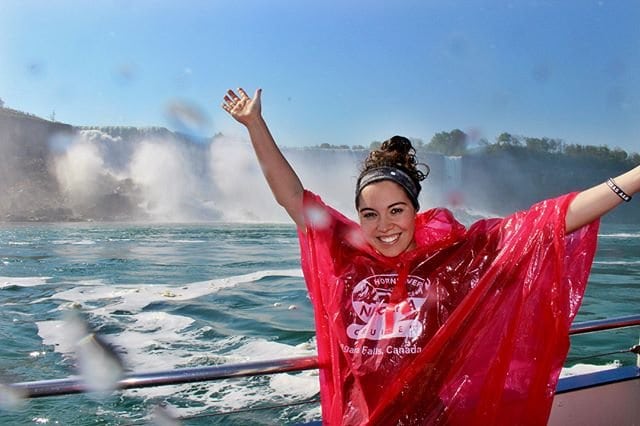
{"x":389,"y":239}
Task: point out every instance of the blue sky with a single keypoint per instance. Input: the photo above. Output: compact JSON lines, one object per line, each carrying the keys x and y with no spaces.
{"x":340,"y":72}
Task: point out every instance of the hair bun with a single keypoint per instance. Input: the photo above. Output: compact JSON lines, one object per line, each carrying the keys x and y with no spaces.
{"x":399,"y":144}
{"x":397,"y":151}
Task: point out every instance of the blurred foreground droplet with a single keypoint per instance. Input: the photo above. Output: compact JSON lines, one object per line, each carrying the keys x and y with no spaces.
{"x":36,"y":69}
{"x":317,"y":217}
{"x":455,"y":199}
{"x":356,"y":239}
{"x":163,"y":415}
{"x":187,"y":118}
{"x":125,"y":73}
{"x":10,"y":397}
{"x":99,"y":364}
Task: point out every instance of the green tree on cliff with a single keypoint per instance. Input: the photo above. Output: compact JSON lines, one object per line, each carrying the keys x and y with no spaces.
{"x":449,"y":143}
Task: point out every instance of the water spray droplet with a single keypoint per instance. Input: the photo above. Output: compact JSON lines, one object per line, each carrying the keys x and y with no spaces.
{"x":99,"y":364}
{"x":356,"y":239}
{"x":125,"y":73}
{"x":10,"y":397}
{"x":187,"y":118}
{"x":164,"y":415}
{"x":317,"y":217}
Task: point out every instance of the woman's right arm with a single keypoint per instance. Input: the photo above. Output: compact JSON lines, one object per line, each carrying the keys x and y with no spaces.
{"x":281,"y":178}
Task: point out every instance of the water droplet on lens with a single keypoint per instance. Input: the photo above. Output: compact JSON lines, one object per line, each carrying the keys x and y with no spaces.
{"x":10,"y":397}
{"x":317,"y":217}
{"x":98,"y":362}
{"x":187,"y":117}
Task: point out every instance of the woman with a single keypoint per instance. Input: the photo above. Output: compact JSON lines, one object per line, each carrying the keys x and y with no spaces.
{"x":421,"y":321}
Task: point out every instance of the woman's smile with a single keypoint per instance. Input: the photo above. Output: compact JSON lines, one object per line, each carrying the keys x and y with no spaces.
{"x":389,"y":239}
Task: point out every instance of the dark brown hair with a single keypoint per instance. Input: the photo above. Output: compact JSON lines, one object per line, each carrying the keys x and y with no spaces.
{"x":399,"y":154}
{"x":396,"y":152}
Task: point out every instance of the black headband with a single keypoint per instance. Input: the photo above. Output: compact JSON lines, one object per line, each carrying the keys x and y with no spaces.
{"x":393,"y":174}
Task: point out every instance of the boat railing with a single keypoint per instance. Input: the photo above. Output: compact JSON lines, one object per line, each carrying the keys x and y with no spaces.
{"x":75,"y":384}
{"x":72,"y":385}
{"x":604,"y":324}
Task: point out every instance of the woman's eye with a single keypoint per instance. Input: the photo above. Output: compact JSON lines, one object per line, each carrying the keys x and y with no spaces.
{"x":396,"y":210}
{"x":369,"y":215}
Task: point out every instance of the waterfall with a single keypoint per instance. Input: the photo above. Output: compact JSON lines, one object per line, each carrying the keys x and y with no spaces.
{"x":452,"y":172}
{"x":452,"y":181}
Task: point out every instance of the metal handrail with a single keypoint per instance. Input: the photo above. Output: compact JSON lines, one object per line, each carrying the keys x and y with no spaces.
{"x":73,"y":385}
{"x":604,"y":324}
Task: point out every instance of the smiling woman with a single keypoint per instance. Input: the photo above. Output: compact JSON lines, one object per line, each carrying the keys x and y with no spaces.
{"x":406,"y":303}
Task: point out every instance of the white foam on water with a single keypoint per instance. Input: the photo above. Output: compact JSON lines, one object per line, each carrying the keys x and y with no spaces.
{"x":620,"y":235}
{"x":53,"y":334}
{"x":22,"y":281}
{"x":133,"y":298}
{"x":234,"y":394}
{"x":617,"y":262}
{"x":148,"y":343}
{"x":301,"y":386}
{"x":159,"y":341}
{"x":91,"y":282}
{"x":226,"y":395}
{"x":74,"y":242}
{"x":264,"y":349}
{"x":240,"y":393}
{"x":310,"y":415}
{"x":578,"y":369}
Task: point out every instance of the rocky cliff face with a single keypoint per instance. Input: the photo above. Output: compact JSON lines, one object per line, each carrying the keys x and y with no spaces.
{"x":29,"y":188}
{"x":28,"y":191}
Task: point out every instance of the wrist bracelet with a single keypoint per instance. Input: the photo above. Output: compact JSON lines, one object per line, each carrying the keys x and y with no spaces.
{"x":619,"y":192}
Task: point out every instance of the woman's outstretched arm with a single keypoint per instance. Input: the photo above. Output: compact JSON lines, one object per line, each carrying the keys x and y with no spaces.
{"x":594,"y":202}
{"x":282,"y":179}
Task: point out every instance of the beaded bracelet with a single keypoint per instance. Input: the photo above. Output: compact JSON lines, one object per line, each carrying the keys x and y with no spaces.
{"x":619,"y":192}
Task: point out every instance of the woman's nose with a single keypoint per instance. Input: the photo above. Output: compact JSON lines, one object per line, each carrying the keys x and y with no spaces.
{"x":384,"y":224}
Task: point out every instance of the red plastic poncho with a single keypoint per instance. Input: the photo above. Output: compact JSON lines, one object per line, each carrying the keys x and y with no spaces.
{"x":471,"y":327}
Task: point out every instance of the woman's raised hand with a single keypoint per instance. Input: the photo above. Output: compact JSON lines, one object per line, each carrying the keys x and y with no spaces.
{"x":282,"y":179}
{"x":241,"y":107}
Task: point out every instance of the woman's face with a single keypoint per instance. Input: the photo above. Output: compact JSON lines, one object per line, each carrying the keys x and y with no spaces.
{"x":387,"y":218}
